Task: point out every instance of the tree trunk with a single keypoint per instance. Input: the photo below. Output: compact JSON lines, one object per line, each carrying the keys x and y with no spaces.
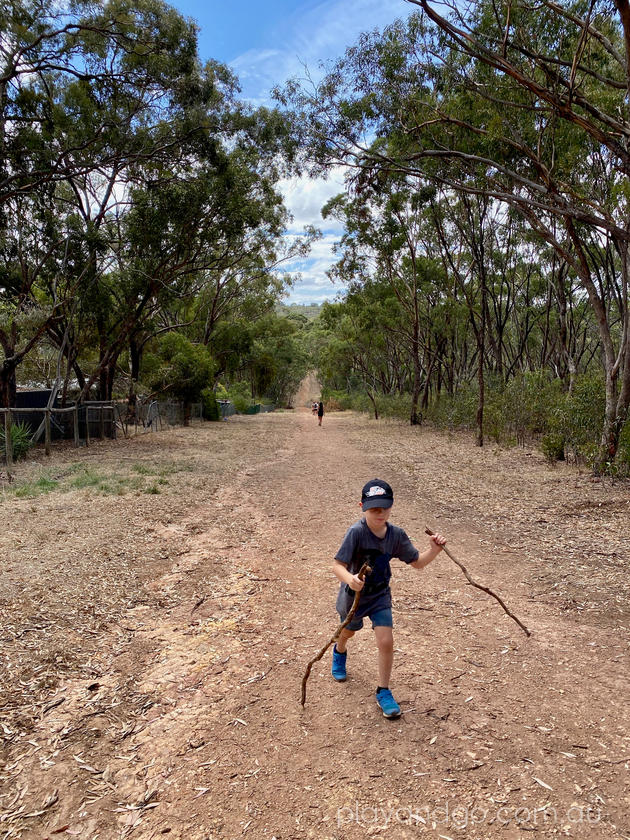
{"x":481,"y":339}
{"x":617,"y":401}
{"x":427,"y":381}
{"x":8,"y":385}
{"x":617,"y":405}
{"x":415,"y":418}
{"x":134,"y":373}
{"x":373,"y":401}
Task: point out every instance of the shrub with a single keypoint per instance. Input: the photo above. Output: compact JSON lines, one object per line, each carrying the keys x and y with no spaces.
{"x":20,"y":438}
{"x":583,"y":416}
{"x":552,"y":446}
{"x":394,"y":405}
{"x":337,"y":400}
{"x":239,"y":394}
{"x":457,"y":411}
{"x":210,"y":406}
{"x":623,"y":453}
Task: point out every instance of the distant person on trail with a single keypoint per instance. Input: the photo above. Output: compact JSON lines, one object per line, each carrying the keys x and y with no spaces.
{"x":314,"y":407}
{"x":320,"y":413}
{"x":373,"y":540}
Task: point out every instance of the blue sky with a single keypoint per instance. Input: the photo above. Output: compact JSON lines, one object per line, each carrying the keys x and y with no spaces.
{"x":266,"y":42}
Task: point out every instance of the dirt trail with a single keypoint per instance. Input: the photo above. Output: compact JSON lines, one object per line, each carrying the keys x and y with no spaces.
{"x":180,"y":716}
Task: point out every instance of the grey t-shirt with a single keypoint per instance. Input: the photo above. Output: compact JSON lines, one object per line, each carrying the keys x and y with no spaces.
{"x":360,"y":545}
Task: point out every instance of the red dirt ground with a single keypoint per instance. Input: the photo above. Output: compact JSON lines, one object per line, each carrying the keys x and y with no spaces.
{"x":155,"y":631}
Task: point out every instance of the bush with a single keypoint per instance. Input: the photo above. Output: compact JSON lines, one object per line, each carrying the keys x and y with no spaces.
{"x":336,"y":400}
{"x":582,"y":417}
{"x":239,"y":394}
{"x":622,"y":460}
{"x":552,"y":445}
{"x":388,"y":405}
{"x":394,"y":405}
{"x":532,"y":405}
{"x":20,"y":438}
{"x":210,"y":406}
{"x":454,"y":412}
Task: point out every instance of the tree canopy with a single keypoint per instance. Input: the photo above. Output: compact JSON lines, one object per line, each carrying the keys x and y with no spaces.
{"x":138,"y":195}
{"x":503,"y":110}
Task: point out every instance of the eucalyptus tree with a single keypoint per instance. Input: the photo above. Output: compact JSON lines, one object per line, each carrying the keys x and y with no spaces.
{"x":482,"y":248}
{"x":360,"y":352}
{"x":382,"y":240}
{"x":197,"y":248}
{"x":279,"y":359}
{"x":524,"y":104}
{"x":87,"y":93}
{"x":182,"y":370}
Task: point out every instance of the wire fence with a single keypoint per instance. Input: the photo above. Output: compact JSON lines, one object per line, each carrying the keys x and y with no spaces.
{"x":81,"y":423}
{"x":154,"y":415}
{"x":103,"y":419}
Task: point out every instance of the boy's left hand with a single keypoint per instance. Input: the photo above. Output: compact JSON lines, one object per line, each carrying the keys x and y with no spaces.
{"x":438,"y":541}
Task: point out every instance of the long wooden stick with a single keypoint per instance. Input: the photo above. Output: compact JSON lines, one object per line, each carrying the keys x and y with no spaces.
{"x":479,"y":586}
{"x":365,"y":569}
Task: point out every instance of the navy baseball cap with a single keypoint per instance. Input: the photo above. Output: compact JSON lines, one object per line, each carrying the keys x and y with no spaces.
{"x":377,"y":493}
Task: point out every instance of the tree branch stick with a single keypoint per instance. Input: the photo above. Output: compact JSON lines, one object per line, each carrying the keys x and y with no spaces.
{"x":479,"y":586}
{"x":365,"y":569}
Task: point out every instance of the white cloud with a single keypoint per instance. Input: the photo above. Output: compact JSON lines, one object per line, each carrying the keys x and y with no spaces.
{"x":314,"y":285}
{"x":305,"y":197}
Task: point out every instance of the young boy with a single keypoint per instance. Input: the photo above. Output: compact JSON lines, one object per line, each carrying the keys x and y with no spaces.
{"x":374,"y":540}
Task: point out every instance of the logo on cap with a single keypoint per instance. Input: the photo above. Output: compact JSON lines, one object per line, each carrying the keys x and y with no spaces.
{"x":376,"y":490}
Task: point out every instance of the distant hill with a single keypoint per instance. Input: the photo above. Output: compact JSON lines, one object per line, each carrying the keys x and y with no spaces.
{"x":309,"y":310}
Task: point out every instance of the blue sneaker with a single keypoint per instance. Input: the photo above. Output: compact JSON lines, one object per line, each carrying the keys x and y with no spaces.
{"x":338,"y":669}
{"x":387,"y":704}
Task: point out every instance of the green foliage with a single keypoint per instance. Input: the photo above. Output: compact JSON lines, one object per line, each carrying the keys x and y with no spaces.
{"x":306,"y":311}
{"x":449,"y":99}
{"x":99,"y":94}
{"x":552,"y":446}
{"x":279,"y":358}
{"x":210,"y":407}
{"x":338,"y":400}
{"x":240,"y":395}
{"x":184,"y":368}
{"x":455,"y":411}
{"x":578,"y":419}
{"x":622,"y":461}
{"x":531,"y":407}
{"x":582,"y":415}
{"x":524,"y":408}
{"x":389,"y":405}
{"x":20,"y":440}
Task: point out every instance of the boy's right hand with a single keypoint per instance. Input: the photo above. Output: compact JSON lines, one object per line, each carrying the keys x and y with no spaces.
{"x":356,"y":583}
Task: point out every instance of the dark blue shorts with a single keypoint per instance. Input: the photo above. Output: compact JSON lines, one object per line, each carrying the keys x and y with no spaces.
{"x":379,"y":618}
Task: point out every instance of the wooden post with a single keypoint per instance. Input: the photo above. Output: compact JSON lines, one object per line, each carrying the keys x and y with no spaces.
{"x":47,"y":427}
{"x":87,"y":424}
{"x":8,"y":440}
{"x":101,"y":423}
{"x":75,"y":416}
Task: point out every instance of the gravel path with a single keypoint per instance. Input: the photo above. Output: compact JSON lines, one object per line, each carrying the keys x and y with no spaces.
{"x":157,"y":615}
